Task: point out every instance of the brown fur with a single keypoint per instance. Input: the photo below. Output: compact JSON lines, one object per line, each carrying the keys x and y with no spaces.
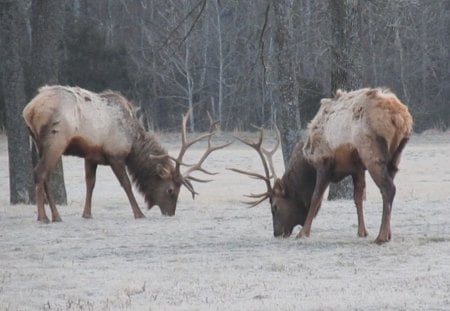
{"x":292,"y":194}
{"x":148,"y":177}
{"x":353,"y":132}
{"x":102,"y":129}
{"x":361,"y":130}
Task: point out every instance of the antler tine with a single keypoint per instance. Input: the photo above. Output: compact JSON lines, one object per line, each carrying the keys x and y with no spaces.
{"x":198,"y":167}
{"x":263,"y":154}
{"x":251,"y":174}
{"x":185,"y":144}
{"x":269,"y":153}
{"x":264,"y":196}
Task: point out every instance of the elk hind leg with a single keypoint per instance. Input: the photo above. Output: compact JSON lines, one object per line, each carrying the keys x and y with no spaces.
{"x":383,"y":179}
{"x":40,"y":176}
{"x":359,"y":185}
{"x":51,"y":202}
{"x":90,"y":169}
{"x":119,"y":170}
{"x":47,"y":162}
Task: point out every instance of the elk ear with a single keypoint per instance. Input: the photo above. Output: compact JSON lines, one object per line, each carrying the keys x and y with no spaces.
{"x":162,"y":171}
{"x":279,"y":189}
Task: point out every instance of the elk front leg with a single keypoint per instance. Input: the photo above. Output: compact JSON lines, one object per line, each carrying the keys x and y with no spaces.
{"x":322,"y":183}
{"x":90,"y":169}
{"x":359,"y":186}
{"x":119,"y":170}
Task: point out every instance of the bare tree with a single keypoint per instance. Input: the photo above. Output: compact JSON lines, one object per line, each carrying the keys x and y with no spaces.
{"x":346,"y":65}
{"x":13,"y":89}
{"x":288,"y":119}
{"x":47,"y":30}
{"x":405,"y":47}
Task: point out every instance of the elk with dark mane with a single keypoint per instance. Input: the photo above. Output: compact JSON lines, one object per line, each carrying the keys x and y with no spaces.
{"x":103,"y":129}
{"x":366,"y":129}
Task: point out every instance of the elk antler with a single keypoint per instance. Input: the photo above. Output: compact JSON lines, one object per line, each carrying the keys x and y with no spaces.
{"x":267,"y":164}
{"x":209,"y":150}
{"x":185,"y":144}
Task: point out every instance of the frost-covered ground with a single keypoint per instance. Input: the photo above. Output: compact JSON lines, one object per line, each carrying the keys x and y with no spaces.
{"x":216,"y":254}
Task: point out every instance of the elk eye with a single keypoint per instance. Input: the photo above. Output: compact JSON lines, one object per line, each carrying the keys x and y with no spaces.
{"x":170,"y":191}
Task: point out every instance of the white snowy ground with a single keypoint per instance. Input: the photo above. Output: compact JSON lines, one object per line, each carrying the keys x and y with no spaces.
{"x":216,"y":254}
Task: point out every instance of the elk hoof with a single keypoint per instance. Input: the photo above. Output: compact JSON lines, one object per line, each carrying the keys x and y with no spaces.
{"x":302,"y":234}
{"x":44,"y":220}
{"x":138,"y":216}
{"x":363,"y":233}
{"x":57,"y":219}
{"x":381,"y":241}
{"x":87,"y":216}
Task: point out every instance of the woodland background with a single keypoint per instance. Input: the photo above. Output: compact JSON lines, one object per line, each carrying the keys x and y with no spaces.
{"x":242,"y":61}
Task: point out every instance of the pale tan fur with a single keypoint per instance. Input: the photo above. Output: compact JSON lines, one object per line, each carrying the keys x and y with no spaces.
{"x":103,"y":129}
{"x":355,"y":119}
{"x":356,"y":131}
{"x":75,"y":112}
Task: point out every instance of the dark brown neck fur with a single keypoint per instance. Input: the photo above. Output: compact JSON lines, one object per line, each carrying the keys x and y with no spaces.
{"x":299,"y":180}
{"x":142,"y":168}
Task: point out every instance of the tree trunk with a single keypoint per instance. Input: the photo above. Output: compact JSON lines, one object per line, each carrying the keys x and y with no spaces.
{"x":289,"y":116}
{"x":346,"y":65}
{"x":221,"y":61}
{"x":13,"y":88}
{"x":47,"y":24}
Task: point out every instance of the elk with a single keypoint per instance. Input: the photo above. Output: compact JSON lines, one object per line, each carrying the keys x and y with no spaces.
{"x":355,"y":131}
{"x":103,"y":129}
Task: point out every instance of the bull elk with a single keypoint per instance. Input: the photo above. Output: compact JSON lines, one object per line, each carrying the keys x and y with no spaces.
{"x":366,"y":129}
{"x":103,"y":129}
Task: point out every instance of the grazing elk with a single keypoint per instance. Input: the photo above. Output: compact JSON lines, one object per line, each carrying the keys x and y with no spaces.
{"x":356,"y":131}
{"x":103,"y":129}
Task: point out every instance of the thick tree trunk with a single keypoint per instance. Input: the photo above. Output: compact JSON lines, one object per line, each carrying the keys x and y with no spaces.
{"x":13,"y":89}
{"x":346,"y":65}
{"x":47,"y":24}
{"x":221,"y":62}
{"x":288,"y":119}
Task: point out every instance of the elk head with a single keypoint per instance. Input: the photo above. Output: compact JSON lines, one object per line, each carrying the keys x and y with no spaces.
{"x":286,"y":213}
{"x":166,"y":196}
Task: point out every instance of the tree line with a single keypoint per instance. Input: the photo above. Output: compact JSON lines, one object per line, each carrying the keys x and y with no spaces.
{"x":243,"y":61}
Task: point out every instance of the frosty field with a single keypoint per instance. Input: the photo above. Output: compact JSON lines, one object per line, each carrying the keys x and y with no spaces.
{"x":217,"y":254}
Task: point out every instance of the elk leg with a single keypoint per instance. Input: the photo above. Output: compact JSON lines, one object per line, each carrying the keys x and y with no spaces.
{"x":119,"y":170}
{"x":90,"y":169}
{"x":40,"y":195}
{"x":51,"y":201}
{"x":322,"y":183}
{"x":47,"y":163}
{"x":385,"y":183}
{"x":359,"y":185}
